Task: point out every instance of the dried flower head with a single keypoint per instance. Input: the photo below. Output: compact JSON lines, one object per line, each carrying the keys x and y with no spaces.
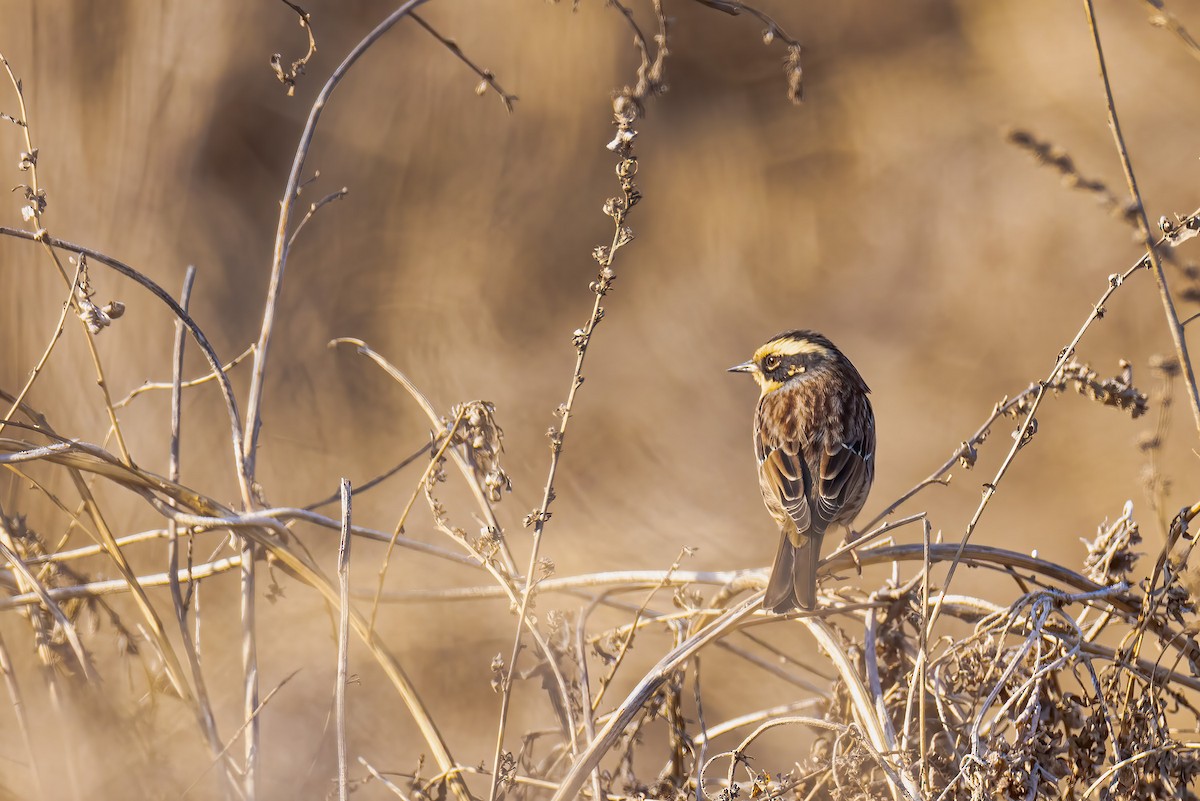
{"x":1110,"y":558}
{"x":483,"y":442}
{"x":1118,"y":391}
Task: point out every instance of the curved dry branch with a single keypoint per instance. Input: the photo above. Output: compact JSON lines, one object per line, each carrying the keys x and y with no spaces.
{"x":201,"y":340}
{"x":249,"y":442}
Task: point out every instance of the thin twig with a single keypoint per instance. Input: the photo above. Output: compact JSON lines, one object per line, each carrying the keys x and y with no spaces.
{"x":204,"y":710}
{"x":268,"y":534}
{"x":314,"y":208}
{"x":250,"y":703}
{"x":59,"y":327}
{"x":1028,"y":426}
{"x":487,"y":77}
{"x":751,"y":718}
{"x":195,"y":330}
{"x":861,"y":703}
{"x":385,"y":781}
{"x":626,"y":109}
{"x":97,"y":589}
{"x":1162,"y":18}
{"x":704,"y":736}
{"x":283,"y":238}
{"x":289,"y":77}
{"x":460,"y":461}
{"x":606,"y":738}
{"x":1173,"y":324}
{"x":377,"y":480}
{"x":238,"y":733}
{"x":966,"y":452}
{"x":626,"y":579}
{"x":792,"y":72}
{"x":448,"y":437}
{"x":36,"y":197}
{"x":343,"y":570}
{"x":632,"y":628}
{"x":150,"y":386}
{"x":18,"y":706}
{"x":28,"y":582}
{"x":585,"y":689}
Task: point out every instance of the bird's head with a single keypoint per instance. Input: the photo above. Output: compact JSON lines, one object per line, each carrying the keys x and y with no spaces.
{"x":794,"y":356}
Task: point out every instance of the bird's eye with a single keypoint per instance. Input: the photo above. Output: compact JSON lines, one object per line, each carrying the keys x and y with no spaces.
{"x":772,"y":362}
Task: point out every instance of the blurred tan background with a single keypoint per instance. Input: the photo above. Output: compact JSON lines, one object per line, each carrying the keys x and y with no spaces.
{"x":886,"y":211}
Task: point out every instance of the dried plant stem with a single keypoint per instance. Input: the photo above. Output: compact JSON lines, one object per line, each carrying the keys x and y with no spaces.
{"x":377,"y":480}
{"x":28,"y":582}
{"x":314,"y":208}
{"x":585,"y":689}
{"x":1131,"y":760}
{"x":448,"y":437}
{"x":966,"y":449}
{"x":75,"y":521}
{"x":97,"y":589}
{"x":1160,"y":17}
{"x":384,"y":780}
{"x":512,"y":592}
{"x":102,"y":382}
{"x":628,"y":580}
{"x":59,"y":327}
{"x":195,"y":330}
{"x":631,"y":631}
{"x":460,"y":461}
{"x":606,"y":738}
{"x":534,"y":553}
{"x":1026,"y":430}
{"x":268,"y":534}
{"x":93,"y":460}
{"x":772,"y":666}
{"x":289,"y":77}
{"x":204,"y":711}
{"x":1164,"y":291}
{"x":737,"y":755}
{"x":647,"y":619}
{"x":343,"y":570}
{"x":923,"y":662}
{"x":486,"y":77}
{"x":40,"y":235}
{"x":700,"y":746}
{"x":504,"y":580}
{"x":150,"y":386}
{"x":229,"y":745}
{"x":751,"y":718}
{"x":18,"y":706}
{"x":617,"y":209}
{"x":250,"y":702}
{"x":282,"y":232}
{"x":258,"y":375}
{"x":876,"y":727}
{"x":939,"y":476}
{"x":158,"y":632}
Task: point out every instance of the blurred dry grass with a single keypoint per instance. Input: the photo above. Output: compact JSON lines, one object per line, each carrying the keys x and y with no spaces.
{"x":886,"y":211}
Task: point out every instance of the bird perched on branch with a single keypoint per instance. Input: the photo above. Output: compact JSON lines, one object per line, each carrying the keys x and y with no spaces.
{"x":814,"y":436}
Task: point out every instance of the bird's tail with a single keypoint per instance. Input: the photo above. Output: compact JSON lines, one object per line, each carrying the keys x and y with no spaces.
{"x":793,"y":581}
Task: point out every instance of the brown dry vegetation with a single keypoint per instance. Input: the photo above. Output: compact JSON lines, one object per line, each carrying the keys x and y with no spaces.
{"x":900,"y":209}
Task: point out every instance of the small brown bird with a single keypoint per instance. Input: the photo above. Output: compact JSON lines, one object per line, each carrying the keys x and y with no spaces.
{"x":814,"y":435}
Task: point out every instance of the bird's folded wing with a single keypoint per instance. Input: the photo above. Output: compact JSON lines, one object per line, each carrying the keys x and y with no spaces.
{"x":785,"y":473}
{"x":843,"y":473}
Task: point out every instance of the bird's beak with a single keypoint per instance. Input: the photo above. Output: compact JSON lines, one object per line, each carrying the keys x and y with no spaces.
{"x":744,"y":367}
